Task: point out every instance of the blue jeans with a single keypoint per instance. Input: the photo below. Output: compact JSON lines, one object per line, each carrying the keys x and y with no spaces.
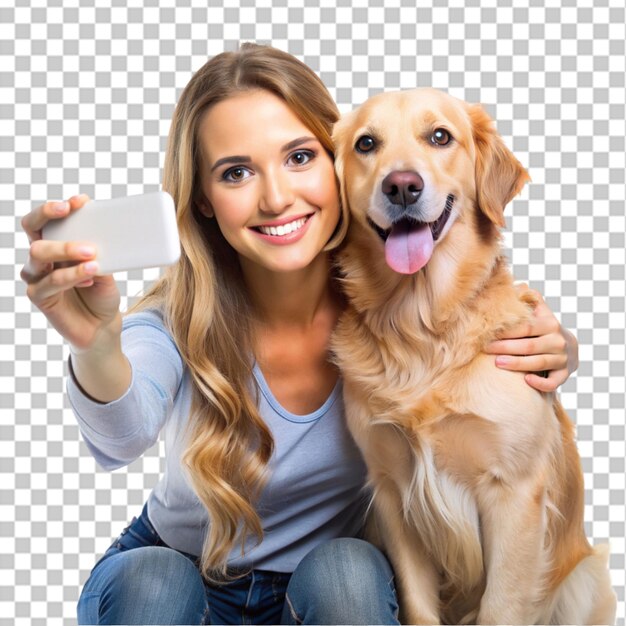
{"x":141,"y":580}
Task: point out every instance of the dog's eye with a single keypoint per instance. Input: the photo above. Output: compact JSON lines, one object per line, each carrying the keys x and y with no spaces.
{"x":365,"y":144}
{"x":441,"y":137}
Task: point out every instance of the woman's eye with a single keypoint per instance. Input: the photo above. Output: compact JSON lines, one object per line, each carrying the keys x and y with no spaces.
{"x":441,"y":137}
{"x":235,"y":174}
{"x":301,"y":157}
{"x":366,"y":143}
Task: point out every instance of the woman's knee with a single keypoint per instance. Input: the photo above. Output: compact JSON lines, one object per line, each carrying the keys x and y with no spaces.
{"x":144,"y":585}
{"x":343,"y":579}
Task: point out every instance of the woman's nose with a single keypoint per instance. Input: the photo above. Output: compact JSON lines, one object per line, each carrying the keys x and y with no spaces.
{"x":277,"y":194}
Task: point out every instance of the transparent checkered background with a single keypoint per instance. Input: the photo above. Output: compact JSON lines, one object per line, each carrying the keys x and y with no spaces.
{"x":87,"y":93}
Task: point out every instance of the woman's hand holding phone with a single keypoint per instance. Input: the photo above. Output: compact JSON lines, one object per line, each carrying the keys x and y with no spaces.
{"x":62,"y":282}
{"x":81,"y":306}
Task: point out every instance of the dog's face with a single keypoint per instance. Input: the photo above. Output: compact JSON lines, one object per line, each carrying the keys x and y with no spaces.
{"x":412,"y":163}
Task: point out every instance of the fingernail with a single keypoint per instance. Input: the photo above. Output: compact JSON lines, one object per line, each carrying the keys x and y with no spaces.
{"x":59,"y":207}
{"x":503,"y":360}
{"x":87,"y":250}
{"x":91,"y":267}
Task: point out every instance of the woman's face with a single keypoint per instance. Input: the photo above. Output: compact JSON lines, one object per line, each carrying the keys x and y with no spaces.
{"x":268,"y":181}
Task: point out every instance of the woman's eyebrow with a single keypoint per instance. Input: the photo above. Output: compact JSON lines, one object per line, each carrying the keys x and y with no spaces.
{"x":297,"y":142}
{"x":230,"y":159}
{"x":236,"y":159}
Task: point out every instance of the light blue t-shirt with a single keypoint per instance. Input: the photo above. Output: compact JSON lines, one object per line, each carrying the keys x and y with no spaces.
{"x":315,"y":487}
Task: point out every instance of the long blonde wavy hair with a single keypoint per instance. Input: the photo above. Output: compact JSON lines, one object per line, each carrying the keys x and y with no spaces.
{"x":205,"y":305}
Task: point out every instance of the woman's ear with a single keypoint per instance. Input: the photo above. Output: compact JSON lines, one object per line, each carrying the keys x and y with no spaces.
{"x":204,"y":206}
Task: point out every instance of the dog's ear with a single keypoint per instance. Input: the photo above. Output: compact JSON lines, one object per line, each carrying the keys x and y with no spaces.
{"x":499,"y":175}
{"x":342,"y":144}
{"x":341,"y":141}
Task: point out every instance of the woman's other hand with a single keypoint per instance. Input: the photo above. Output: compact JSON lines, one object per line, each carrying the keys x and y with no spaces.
{"x":541,"y":347}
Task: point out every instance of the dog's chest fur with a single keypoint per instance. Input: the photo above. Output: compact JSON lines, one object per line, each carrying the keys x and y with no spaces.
{"x":438,"y":449}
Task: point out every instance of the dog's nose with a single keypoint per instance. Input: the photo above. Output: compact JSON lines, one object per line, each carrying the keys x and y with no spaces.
{"x":403,"y":187}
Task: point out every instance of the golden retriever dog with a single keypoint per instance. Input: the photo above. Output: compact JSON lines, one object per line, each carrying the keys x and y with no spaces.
{"x":478,"y":489}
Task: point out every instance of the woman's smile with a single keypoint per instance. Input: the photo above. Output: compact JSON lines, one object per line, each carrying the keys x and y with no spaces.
{"x":284,"y":231}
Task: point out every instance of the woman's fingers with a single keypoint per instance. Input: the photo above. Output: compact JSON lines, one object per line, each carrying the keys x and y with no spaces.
{"x":42,"y":256}
{"x":45,"y":253}
{"x":33,"y":222}
{"x":60,"y":280}
{"x":536,"y":326}
{"x":533,"y":363}
{"x":554,"y":380}
{"x":553,"y":343}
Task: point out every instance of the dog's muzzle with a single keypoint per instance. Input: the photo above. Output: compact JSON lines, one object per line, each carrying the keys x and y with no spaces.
{"x":409,"y":243}
{"x":436,"y":227}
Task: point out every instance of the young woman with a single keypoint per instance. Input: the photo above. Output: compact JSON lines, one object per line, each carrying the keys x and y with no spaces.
{"x":228,"y":354}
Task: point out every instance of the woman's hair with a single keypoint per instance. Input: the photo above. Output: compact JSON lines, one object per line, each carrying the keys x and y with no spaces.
{"x":205,"y":305}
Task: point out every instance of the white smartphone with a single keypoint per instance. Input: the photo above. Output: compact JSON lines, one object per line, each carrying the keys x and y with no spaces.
{"x":129,"y":233}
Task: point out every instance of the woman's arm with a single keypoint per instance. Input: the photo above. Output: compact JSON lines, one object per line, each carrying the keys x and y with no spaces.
{"x":541,"y":346}
{"x":119,"y":431}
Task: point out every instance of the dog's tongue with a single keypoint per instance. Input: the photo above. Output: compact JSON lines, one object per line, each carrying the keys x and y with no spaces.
{"x":408,"y":247}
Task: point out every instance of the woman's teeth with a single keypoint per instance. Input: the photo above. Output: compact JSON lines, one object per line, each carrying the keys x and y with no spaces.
{"x":283,"y":229}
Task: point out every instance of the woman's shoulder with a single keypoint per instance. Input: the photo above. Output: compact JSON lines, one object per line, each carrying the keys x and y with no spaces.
{"x":147,"y":327}
{"x":148,"y":318}
{"x":149,"y":314}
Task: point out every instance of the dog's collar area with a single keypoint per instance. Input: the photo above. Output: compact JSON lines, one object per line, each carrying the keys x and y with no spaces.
{"x":436,"y":227}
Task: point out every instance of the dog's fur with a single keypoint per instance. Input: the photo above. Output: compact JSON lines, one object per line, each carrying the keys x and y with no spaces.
{"x":478,"y":489}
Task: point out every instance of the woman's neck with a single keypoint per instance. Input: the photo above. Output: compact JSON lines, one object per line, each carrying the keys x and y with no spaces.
{"x":291,"y":299}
